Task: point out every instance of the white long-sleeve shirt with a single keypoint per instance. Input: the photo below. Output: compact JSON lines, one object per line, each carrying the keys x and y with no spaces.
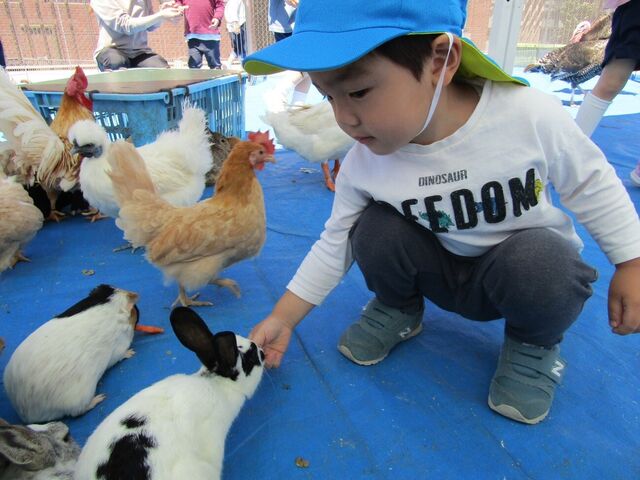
{"x":475,"y":188}
{"x":124,"y":24}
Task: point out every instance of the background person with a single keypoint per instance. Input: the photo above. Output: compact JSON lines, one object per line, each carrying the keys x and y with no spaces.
{"x":236,"y":18}
{"x":282,"y":18}
{"x":621,"y":58}
{"x":123,"y":27}
{"x":3,"y":61}
{"x":202,"y":20}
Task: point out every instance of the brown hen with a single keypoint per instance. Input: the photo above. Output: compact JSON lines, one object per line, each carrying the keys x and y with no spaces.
{"x":192,"y":245}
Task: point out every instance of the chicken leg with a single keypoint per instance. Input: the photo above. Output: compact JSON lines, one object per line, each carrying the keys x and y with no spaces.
{"x":54,"y":215}
{"x":330,"y":176}
{"x":227,"y":283}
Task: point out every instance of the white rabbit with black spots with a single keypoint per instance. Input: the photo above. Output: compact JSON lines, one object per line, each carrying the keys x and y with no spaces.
{"x":177,"y":427}
{"x":37,"y":452}
{"x":55,"y":370}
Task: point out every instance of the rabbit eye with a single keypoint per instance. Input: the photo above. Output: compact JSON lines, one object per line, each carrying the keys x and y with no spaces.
{"x":67,"y":437}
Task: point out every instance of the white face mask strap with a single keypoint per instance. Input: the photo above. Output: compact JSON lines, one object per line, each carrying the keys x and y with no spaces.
{"x":438,"y":90}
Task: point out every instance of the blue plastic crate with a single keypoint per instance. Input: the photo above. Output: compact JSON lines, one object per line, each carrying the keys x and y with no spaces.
{"x":144,"y":116}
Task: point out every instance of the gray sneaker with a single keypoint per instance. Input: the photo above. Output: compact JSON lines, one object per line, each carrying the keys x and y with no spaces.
{"x":524,"y":383}
{"x":379,"y":329}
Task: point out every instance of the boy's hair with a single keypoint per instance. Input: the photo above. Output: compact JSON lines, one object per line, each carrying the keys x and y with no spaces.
{"x":408,"y":51}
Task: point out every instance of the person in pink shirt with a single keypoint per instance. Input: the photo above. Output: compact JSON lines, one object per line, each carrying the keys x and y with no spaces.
{"x":202,"y":20}
{"x":621,"y":58}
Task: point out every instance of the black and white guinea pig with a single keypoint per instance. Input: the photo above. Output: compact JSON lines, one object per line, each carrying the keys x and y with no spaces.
{"x":177,"y":427}
{"x":55,"y":370}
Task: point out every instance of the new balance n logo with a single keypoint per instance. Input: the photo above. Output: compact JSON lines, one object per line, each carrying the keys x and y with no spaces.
{"x":406,"y":331}
{"x":557,"y":368}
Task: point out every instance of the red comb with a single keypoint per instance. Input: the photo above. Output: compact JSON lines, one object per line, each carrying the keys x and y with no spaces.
{"x":77,"y":86}
{"x":77,"y":83}
{"x":263,"y":139}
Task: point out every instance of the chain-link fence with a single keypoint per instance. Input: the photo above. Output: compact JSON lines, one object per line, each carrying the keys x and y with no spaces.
{"x":50,"y":34}
{"x":548,"y":24}
{"x":545,"y":24}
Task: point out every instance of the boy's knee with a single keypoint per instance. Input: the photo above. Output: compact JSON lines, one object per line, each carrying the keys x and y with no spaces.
{"x":376,"y":229}
{"x":543,"y":265}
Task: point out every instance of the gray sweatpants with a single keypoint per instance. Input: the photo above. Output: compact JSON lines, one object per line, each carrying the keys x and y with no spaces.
{"x":535,"y":280}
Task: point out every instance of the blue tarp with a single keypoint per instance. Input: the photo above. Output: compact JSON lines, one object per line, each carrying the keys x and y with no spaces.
{"x":422,"y":413}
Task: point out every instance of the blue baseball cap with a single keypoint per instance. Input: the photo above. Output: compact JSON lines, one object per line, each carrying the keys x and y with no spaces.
{"x":330,"y":34}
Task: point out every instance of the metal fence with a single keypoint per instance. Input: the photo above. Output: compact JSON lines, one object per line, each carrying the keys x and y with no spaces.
{"x":548,"y":24}
{"x":51,"y":34}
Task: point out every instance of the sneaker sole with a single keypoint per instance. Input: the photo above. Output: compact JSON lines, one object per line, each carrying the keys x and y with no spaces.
{"x":347,"y":353}
{"x":510,"y":412}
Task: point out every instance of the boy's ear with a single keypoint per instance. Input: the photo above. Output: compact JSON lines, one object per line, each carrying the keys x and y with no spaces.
{"x":440,"y":47}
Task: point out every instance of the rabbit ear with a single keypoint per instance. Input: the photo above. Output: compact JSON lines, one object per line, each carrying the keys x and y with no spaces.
{"x":226,"y":350}
{"x":57,"y":430}
{"x":194,"y":334}
{"x":19,"y":445}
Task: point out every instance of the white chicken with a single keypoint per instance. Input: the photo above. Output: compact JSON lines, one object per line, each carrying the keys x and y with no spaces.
{"x":312,"y":132}
{"x":177,"y":160}
{"x":20,"y":221}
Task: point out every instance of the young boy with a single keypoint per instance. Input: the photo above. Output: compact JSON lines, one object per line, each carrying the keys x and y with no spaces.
{"x":446,"y":195}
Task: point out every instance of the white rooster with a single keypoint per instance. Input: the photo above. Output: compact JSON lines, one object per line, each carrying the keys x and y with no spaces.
{"x":178,"y":161}
{"x":313,"y":133}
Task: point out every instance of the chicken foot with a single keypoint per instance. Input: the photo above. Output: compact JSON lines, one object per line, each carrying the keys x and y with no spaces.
{"x":93,"y":215}
{"x":187,"y":301}
{"x":18,"y":257}
{"x":227,"y":283}
{"x":126,"y":246}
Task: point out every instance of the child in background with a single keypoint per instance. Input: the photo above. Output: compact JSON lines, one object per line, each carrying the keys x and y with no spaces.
{"x":447,"y":195}
{"x":281,"y":16}
{"x":621,"y":58}
{"x":236,"y":17}
{"x":202,"y":20}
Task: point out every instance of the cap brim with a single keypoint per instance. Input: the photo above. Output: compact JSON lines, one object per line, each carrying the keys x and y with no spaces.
{"x":318,"y":51}
{"x":331,"y":50}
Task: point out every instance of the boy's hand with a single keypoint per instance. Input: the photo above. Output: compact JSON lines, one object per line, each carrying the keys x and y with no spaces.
{"x":273,"y":336}
{"x":624,"y":298}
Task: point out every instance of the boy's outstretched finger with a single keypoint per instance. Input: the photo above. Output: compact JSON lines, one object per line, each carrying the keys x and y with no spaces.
{"x":272,"y":358}
{"x":630,"y":321}
{"x":615,"y":313}
{"x":624,"y":318}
